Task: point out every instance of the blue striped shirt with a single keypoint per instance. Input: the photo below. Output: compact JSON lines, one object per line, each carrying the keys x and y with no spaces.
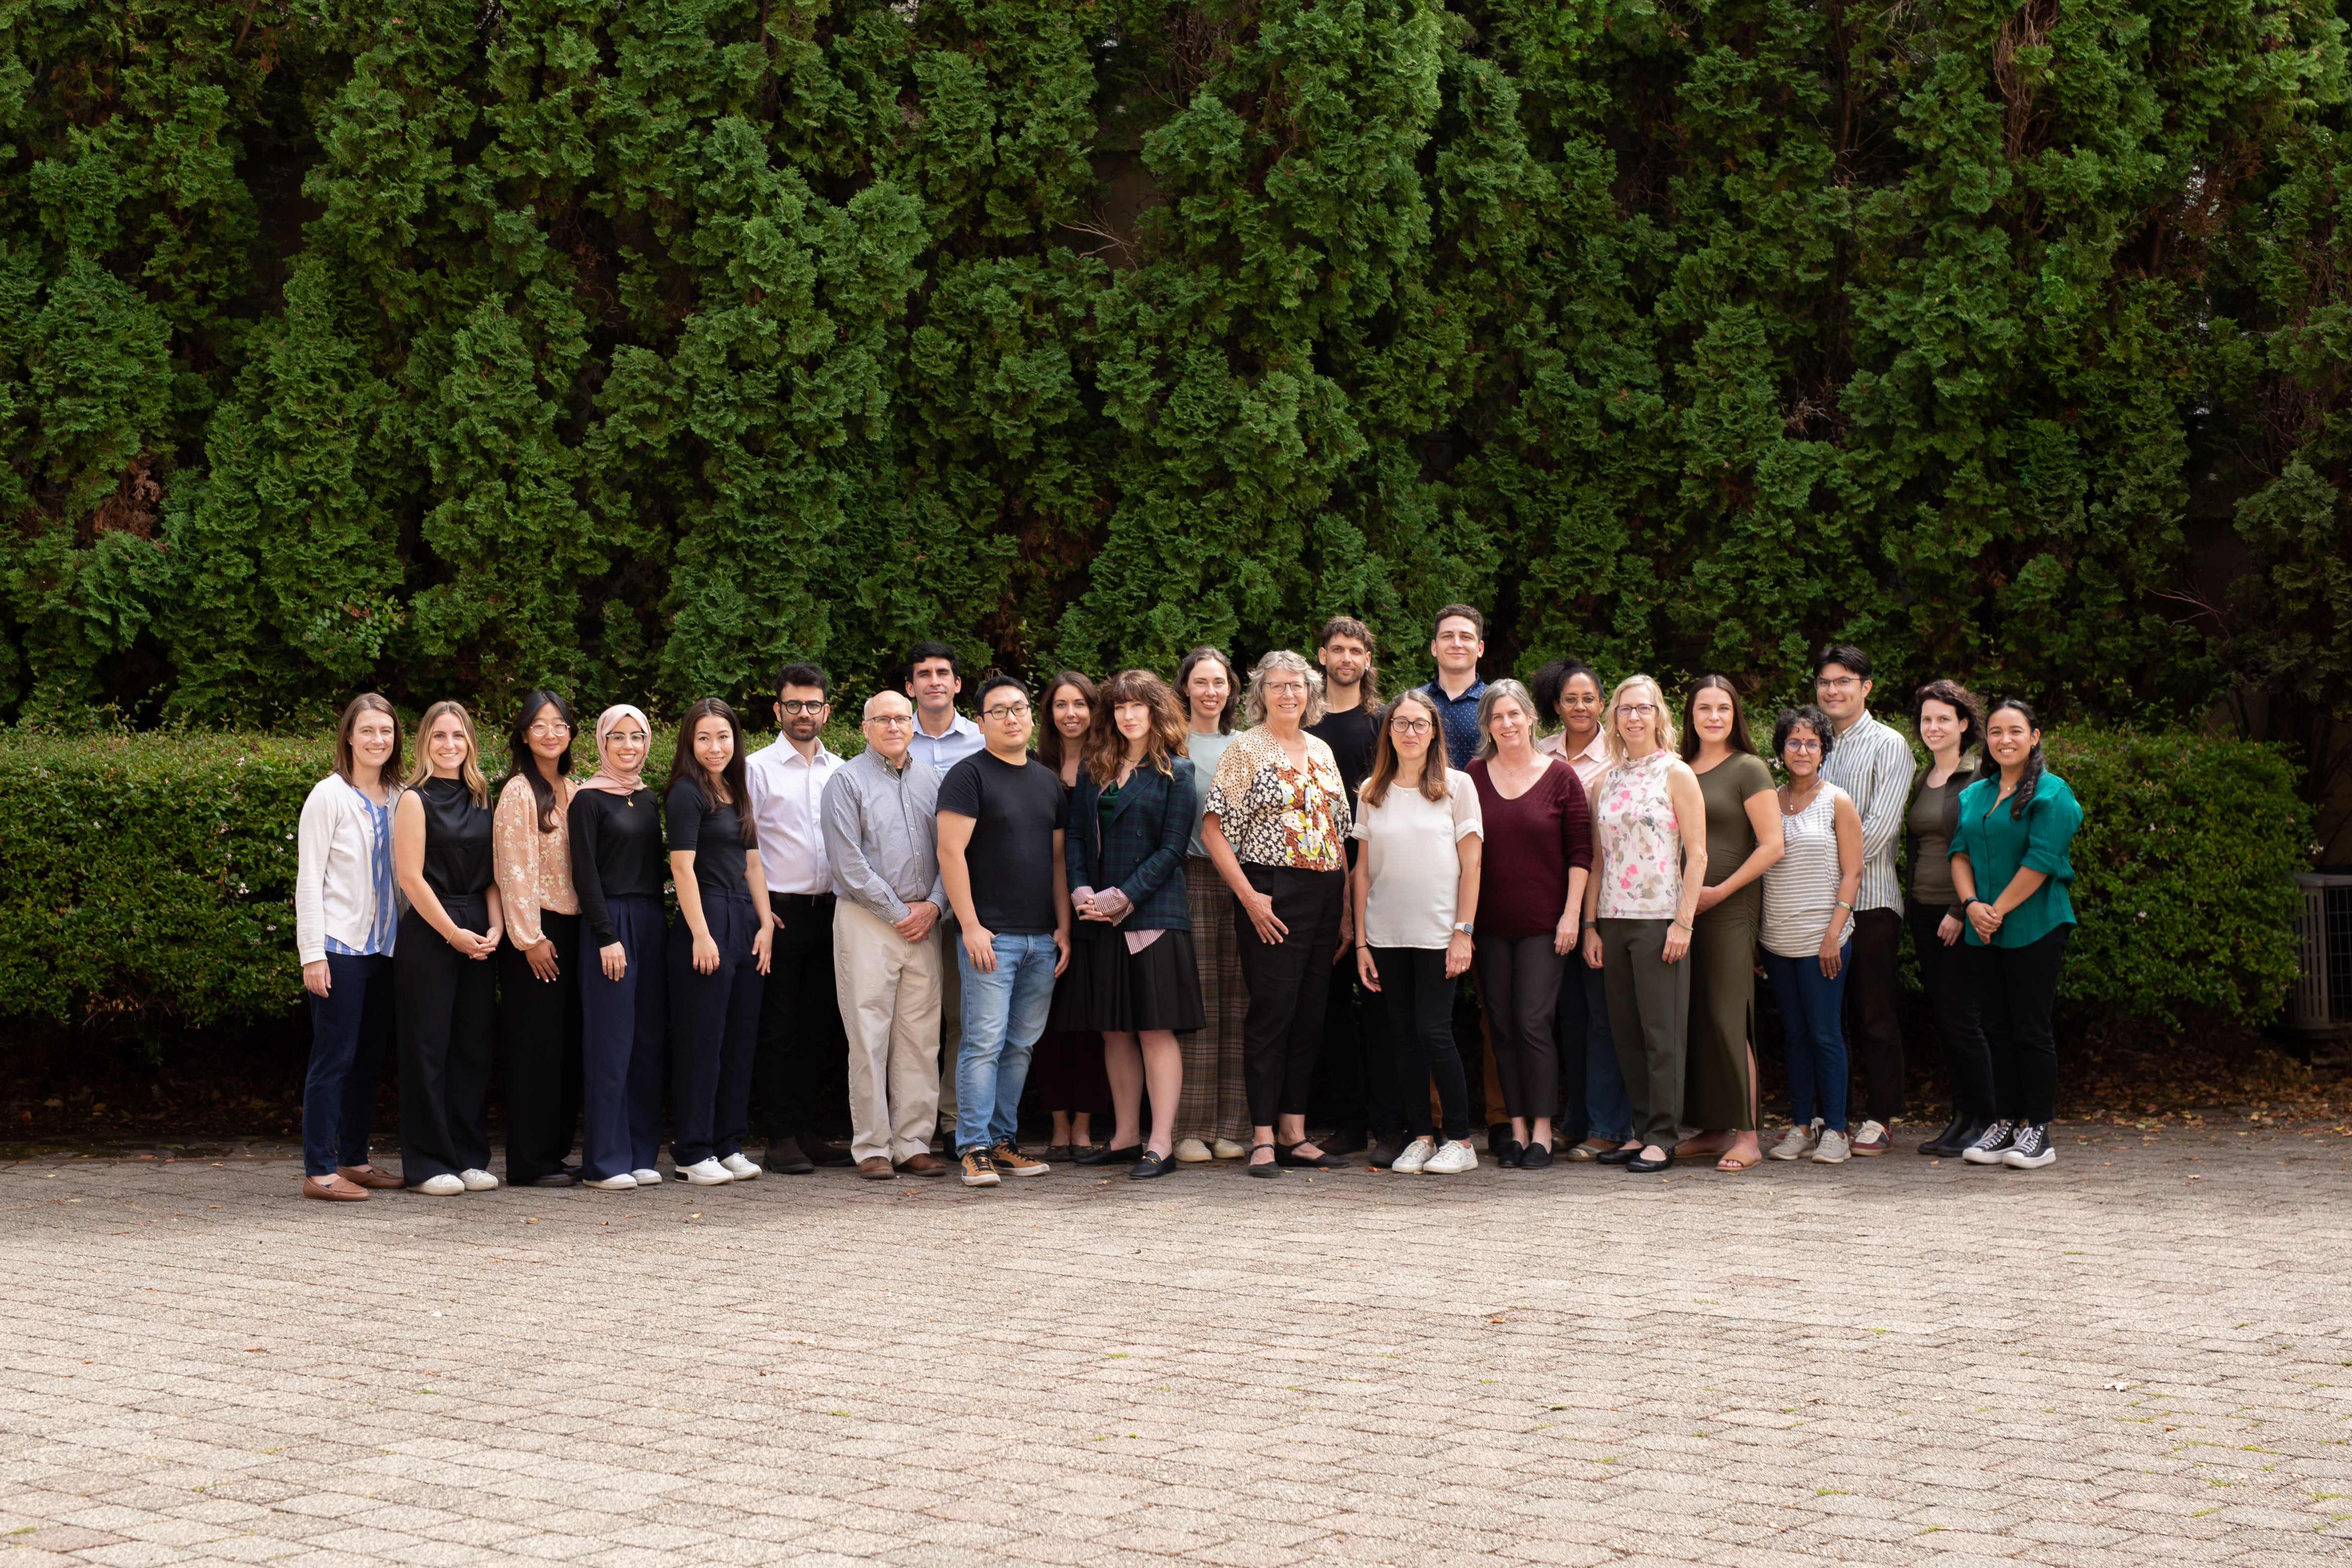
{"x":386,"y":923}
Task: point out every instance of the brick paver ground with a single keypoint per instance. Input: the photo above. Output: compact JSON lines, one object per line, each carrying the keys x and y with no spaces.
{"x":2143,"y":1353}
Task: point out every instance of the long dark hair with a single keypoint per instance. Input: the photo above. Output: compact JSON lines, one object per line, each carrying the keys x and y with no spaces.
{"x":526,"y":762}
{"x":1050,"y":739}
{"x":2031,"y":775}
{"x":1106,"y":748}
{"x":1961,"y":701}
{"x":1737,"y":740}
{"x":730,"y":781}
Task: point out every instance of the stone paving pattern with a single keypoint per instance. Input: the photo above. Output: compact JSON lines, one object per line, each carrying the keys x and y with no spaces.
{"x":2142,"y":1353}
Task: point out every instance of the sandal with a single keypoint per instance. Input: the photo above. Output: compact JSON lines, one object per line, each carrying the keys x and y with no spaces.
{"x":1271,"y":1168}
{"x":1732,"y":1162}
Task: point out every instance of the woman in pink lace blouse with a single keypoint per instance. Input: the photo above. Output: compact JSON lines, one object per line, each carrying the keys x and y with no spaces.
{"x":539,"y":963}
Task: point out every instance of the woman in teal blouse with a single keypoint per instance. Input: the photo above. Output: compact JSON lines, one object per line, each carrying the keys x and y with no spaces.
{"x":2011,"y":844}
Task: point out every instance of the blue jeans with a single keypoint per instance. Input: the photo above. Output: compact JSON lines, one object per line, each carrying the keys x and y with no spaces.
{"x":1809,"y":1007}
{"x":1592,"y":1099}
{"x":621,"y":1026}
{"x":1004,"y":1013}
{"x":350,"y":1027}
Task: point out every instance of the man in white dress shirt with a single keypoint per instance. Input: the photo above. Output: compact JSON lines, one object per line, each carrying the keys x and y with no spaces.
{"x":799,"y":1017}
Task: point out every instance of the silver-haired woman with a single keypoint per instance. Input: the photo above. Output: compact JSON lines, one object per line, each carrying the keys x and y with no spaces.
{"x":1276,"y":826}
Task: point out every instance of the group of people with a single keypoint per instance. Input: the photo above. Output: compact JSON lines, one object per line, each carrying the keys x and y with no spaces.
{"x":1120,"y":884}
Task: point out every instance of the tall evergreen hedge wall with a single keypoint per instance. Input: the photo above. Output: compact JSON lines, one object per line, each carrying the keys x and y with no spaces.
{"x":448,"y":345}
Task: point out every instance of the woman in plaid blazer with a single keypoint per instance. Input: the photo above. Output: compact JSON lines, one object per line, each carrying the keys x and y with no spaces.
{"x":1134,"y":974}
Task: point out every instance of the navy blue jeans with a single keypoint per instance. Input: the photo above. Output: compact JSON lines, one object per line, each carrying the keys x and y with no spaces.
{"x":1592,"y":1099}
{"x":1808,"y":1003}
{"x":621,"y":1045}
{"x":714,"y":1031}
{"x":349,"y":1027}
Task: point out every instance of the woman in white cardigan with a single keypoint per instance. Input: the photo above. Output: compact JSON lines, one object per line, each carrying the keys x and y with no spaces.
{"x":345,"y":914}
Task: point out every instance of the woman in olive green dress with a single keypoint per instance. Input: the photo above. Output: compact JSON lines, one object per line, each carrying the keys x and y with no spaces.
{"x":1743,"y":837}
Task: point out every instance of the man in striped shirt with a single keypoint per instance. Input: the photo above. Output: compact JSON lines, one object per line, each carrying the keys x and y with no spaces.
{"x":1872,"y":763}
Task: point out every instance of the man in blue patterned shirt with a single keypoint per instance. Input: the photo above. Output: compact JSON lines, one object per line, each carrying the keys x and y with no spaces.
{"x":1459,"y":645}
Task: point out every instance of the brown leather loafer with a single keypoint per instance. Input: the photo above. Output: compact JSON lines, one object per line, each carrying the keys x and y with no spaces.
{"x":366,"y":1176}
{"x":875,"y":1167}
{"x":333,"y":1190}
{"x":924,"y":1165}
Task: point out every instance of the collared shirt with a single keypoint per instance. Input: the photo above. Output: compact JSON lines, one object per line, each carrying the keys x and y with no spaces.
{"x":787,"y":798}
{"x":1458,"y":717}
{"x":1589,"y":763}
{"x":1872,"y":762}
{"x":881,"y":834}
{"x":942,"y":752}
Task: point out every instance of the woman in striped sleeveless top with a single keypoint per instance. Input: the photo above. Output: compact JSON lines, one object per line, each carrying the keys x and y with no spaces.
{"x":1807,"y":932}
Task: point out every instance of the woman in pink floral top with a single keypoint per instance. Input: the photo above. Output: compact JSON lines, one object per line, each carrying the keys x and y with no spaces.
{"x":1276,"y":826}
{"x":1649,"y":828}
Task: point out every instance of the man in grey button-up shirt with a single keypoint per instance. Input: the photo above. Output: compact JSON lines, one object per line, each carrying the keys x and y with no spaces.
{"x":880,"y":841}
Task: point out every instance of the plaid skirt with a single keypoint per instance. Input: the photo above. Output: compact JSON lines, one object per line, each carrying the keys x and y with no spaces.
{"x":1214,"y":1103}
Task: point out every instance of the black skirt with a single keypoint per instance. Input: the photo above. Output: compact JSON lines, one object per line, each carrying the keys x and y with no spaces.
{"x":1108,"y":987}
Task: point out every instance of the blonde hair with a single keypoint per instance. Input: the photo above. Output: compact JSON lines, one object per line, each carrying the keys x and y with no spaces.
{"x":1253,"y":704}
{"x":1667,"y":736}
{"x":470,"y":773}
{"x":1505,"y":690}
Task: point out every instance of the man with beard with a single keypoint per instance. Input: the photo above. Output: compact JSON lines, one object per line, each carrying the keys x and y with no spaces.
{"x":798,"y":1015}
{"x":1366,"y":1106}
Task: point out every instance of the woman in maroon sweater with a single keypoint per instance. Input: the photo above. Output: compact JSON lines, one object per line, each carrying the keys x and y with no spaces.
{"x":1538,"y":835}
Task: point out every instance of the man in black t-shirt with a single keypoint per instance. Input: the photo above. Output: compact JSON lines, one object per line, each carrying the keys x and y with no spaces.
{"x":1001,"y":822}
{"x":1365,"y":1097}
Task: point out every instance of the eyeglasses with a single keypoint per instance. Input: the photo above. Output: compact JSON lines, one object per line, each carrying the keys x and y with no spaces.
{"x":1636,"y":710}
{"x":545,"y":729}
{"x":1802,"y":748}
{"x":893,"y":720}
{"x":628,"y":736}
{"x":1006,"y":710}
{"x":1277,"y":688}
{"x":795,"y":709}
{"x":1837,"y":682}
{"x":1412,"y":726}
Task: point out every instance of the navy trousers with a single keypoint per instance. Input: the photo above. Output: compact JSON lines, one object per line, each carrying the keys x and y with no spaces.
{"x":350,"y":1027}
{"x":621,"y":1045}
{"x":714,"y":1032}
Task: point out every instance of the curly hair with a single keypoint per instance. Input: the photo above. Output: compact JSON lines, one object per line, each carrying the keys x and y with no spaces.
{"x":1254,"y":701}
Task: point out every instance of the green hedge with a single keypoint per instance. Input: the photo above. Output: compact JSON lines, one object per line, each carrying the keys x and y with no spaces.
{"x":149,"y":879}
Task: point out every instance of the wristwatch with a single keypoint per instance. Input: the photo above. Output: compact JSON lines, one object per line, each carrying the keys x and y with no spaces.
{"x":1464,"y":927}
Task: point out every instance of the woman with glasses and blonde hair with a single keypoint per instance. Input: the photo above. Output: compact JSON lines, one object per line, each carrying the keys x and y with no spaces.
{"x":1275,"y":825}
{"x":1650,"y":841}
{"x":346,"y":920}
{"x":1539,"y":827}
{"x":449,"y":989}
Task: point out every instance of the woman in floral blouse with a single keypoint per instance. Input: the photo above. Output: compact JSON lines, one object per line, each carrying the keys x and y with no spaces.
{"x":539,"y":966}
{"x":1649,"y":827}
{"x":1275,"y":824}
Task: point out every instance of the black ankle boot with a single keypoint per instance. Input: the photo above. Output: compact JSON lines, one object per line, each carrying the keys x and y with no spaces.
{"x":1948,"y":1142}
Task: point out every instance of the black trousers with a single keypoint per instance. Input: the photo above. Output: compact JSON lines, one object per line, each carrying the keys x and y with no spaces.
{"x":1874,"y":1029}
{"x":1359,"y":1056}
{"x":1288,"y":987}
{"x":714,"y":1028}
{"x":1418,"y":1001}
{"x":1519,"y":979}
{"x":2018,"y":989}
{"x":1948,"y":978}
{"x":443,"y":1021}
{"x":538,"y":1023}
{"x":799,"y":1016}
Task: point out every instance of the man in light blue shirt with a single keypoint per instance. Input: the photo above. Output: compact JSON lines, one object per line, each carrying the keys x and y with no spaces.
{"x":943,"y":738}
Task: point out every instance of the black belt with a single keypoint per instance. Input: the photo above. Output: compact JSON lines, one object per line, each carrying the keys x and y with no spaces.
{"x":801,"y":900}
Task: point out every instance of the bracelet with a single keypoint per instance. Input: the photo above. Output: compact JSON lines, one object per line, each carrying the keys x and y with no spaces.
{"x":1842,"y":904}
{"x":1684,"y":923}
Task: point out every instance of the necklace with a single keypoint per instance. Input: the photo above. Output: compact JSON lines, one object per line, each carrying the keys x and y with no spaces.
{"x":1789,"y":811}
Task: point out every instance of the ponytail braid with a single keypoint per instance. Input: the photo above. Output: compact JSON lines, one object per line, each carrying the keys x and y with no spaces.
{"x":2031,"y":775}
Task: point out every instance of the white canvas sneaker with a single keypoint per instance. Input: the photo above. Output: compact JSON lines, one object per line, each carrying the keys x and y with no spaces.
{"x":1454,"y":1158}
{"x":1192,"y":1152}
{"x":477,"y":1180}
{"x":740,"y":1168}
{"x":443,"y":1186}
{"x":706,"y":1172}
{"x":1416,"y":1157}
{"x":613,"y":1184}
{"x":647,"y":1178}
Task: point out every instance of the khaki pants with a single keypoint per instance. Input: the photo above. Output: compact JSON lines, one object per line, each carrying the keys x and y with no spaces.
{"x":889,"y":990}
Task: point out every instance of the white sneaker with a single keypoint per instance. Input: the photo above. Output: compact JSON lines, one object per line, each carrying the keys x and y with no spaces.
{"x":704,"y":1173}
{"x":612,"y":1183}
{"x":1798,"y":1142}
{"x":1454,"y":1158}
{"x":740,"y":1168}
{"x":1833,"y":1149}
{"x":478,"y":1181}
{"x":1417,"y":1155}
{"x":1192,"y":1152}
{"x":443,"y":1186}
{"x":647,"y":1178}
{"x":1226,"y":1149}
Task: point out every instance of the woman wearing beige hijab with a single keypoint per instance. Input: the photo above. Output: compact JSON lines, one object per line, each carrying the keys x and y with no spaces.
{"x":618,"y":870}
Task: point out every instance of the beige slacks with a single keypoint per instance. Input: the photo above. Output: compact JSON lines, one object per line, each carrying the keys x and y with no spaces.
{"x":889,"y":990}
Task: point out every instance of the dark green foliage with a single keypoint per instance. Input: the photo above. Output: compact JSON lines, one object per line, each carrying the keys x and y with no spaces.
{"x":451,"y":348}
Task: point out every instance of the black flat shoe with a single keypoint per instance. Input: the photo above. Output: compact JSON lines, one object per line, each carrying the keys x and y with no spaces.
{"x":1287,"y":1155}
{"x":829,"y":1155}
{"x":1664,"y":1162}
{"x":1508,"y":1152}
{"x":1272,"y":1167}
{"x":1350,"y":1141}
{"x":1618,"y":1157}
{"x":558,"y":1178}
{"x":1109,"y":1156}
{"x":1535,"y":1157}
{"x":784,"y":1158}
{"x":1151,"y":1165}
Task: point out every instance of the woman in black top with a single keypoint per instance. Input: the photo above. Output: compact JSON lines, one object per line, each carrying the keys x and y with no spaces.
{"x":617,"y":869}
{"x":717,"y":947}
{"x":445,"y":989}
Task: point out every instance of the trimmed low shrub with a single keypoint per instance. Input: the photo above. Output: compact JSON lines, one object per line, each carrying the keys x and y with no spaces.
{"x":149,"y":879}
